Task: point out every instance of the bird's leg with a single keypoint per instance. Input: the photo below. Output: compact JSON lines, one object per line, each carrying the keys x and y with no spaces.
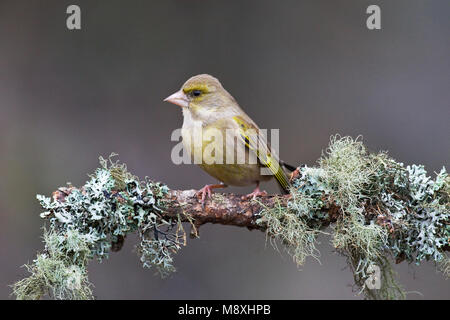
{"x":255,"y":193}
{"x":208,"y":189}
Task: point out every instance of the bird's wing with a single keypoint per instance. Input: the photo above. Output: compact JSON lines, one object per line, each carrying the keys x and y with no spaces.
{"x":255,"y":142}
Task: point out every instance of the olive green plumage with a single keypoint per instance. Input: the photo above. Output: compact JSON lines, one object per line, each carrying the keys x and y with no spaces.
{"x":208,"y":106}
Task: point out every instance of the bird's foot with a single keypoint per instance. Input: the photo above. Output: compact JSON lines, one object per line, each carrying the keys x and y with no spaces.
{"x":207,"y":191}
{"x":254,"y":194}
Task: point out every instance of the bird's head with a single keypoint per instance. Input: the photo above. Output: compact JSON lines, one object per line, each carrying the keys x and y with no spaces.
{"x":202,"y":95}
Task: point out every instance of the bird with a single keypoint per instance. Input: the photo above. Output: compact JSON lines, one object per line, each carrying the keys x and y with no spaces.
{"x":208,"y":109}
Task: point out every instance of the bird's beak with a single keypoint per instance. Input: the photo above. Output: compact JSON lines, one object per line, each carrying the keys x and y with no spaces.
{"x":179,"y":98}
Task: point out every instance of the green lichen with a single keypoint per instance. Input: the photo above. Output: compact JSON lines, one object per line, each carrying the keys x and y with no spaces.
{"x":293,"y":232}
{"x":85,"y":222}
{"x":379,"y":211}
{"x":382,"y":211}
{"x":444,"y":266}
{"x":60,"y":271}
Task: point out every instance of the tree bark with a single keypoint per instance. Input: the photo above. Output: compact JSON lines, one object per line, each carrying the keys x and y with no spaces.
{"x":226,"y":209}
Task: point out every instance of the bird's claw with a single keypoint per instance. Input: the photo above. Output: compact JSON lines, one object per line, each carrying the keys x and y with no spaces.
{"x":203,"y":192}
{"x":254,"y":195}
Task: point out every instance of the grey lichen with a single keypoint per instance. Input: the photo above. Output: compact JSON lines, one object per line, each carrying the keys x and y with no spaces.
{"x":444,"y":266}
{"x":380,"y":210}
{"x":85,"y":222}
{"x":60,"y":271}
{"x":297,"y":237}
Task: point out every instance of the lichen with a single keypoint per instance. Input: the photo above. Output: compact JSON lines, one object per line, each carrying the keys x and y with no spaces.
{"x":85,"y":222}
{"x":60,"y":271}
{"x":292,"y":231}
{"x":381,"y":211}
{"x":444,"y":266}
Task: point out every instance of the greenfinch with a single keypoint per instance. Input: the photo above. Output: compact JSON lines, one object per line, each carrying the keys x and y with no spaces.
{"x":209,"y":109}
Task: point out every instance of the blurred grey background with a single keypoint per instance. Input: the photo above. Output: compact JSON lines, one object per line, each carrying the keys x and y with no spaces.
{"x":311,"y":68}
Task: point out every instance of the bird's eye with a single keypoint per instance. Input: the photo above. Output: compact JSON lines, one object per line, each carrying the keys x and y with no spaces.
{"x":196,"y":93}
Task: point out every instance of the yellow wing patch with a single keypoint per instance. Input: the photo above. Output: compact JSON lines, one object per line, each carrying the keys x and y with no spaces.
{"x":251,"y":138}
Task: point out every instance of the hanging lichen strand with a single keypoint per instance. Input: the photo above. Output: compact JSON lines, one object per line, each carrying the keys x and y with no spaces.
{"x":91,"y":221}
{"x":380,"y":210}
{"x":377,"y":208}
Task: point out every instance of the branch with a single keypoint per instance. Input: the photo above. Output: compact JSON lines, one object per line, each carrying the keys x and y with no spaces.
{"x":380,"y":209}
{"x":226,"y":209}
{"x":230,"y":209}
{"x":223,"y":208}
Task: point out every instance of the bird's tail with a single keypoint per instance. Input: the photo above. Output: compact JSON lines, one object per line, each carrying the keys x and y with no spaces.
{"x":285,"y":170}
{"x":286,"y":166}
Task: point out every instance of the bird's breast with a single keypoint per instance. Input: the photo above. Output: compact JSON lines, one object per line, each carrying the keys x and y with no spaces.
{"x":217,"y":150}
